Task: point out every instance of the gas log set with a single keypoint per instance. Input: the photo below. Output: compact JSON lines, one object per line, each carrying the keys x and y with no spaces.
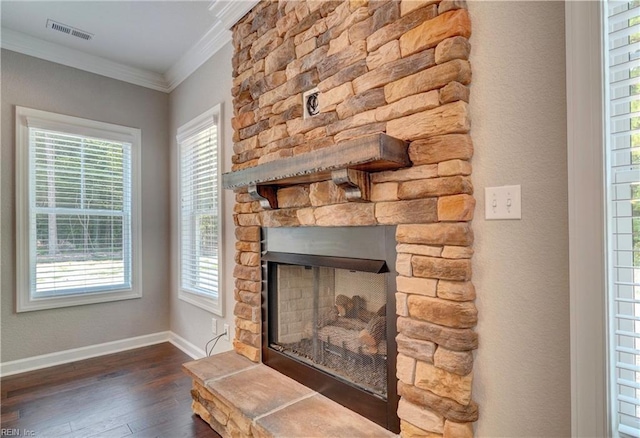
{"x":349,"y":340}
{"x":355,"y":308}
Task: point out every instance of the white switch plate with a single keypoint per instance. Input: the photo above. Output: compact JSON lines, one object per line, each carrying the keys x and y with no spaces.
{"x":502,"y":203}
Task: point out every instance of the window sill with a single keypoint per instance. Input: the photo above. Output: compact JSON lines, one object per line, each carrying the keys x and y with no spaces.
{"x":209,"y":304}
{"x":29,"y":304}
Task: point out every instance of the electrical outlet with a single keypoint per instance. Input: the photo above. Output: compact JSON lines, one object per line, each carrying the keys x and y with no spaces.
{"x":214,"y":326}
{"x":227,"y":335}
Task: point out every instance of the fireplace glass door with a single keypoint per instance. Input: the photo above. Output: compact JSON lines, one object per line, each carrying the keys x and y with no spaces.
{"x":334,"y":320}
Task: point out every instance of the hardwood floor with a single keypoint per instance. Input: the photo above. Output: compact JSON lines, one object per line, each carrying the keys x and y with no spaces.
{"x":136,"y":393}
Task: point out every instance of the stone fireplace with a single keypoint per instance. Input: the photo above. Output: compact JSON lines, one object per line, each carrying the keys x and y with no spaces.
{"x":390,"y":146}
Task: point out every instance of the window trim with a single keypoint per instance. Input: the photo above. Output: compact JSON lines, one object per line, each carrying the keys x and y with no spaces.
{"x":215,"y":306}
{"x":29,"y":117}
{"x":590,"y":413}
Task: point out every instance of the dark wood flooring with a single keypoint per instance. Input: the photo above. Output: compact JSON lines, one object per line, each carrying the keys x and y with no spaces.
{"x":136,"y":393}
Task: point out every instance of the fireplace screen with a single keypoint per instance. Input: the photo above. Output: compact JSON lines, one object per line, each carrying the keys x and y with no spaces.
{"x":334,"y":320}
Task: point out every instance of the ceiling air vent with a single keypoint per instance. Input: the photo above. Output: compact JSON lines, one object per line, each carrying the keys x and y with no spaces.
{"x":68,"y":30}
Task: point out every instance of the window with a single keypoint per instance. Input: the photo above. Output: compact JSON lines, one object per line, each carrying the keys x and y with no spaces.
{"x":200,"y":212}
{"x":622,"y":92}
{"x":77,"y":212}
{"x":604,"y":175}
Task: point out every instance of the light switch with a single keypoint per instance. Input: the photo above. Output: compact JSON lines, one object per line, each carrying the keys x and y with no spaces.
{"x":502,"y":203}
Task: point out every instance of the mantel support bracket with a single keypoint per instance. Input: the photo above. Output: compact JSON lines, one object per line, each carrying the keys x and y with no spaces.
{"x":265,"y":195}
{"x":355,"y":184}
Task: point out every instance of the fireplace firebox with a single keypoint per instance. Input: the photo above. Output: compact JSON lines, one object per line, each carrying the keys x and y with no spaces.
{"x":329,"y":314}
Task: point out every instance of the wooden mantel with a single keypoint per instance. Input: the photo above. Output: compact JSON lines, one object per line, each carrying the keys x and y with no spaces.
{"x":348,"y":164}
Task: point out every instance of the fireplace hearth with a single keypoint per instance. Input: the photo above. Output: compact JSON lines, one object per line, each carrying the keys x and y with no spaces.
{"x":329,"y":314}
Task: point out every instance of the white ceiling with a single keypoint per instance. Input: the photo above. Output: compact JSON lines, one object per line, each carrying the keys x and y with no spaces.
{"x":156,"y":44}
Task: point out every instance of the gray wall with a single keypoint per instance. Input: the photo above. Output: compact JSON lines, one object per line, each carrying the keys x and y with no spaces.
{"x":43,"y":85}
{"x":520,"y":268}
{"x":208,"y":86}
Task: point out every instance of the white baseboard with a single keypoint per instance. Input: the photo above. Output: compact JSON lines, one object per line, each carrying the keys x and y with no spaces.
{"x":186,"y":346}
{"x":75,"y":354}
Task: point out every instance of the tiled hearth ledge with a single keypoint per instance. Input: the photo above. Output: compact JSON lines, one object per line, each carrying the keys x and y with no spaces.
{"x":239,"y":398}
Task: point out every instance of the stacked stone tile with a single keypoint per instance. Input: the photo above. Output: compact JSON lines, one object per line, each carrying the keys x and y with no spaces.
{"x":399,"y":67}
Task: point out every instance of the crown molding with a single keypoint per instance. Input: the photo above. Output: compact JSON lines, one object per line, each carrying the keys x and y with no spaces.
{"x":215,"y":38}
{"x":229,"y":12}
{"x":28,"y":45}
{"x":225,"y":12}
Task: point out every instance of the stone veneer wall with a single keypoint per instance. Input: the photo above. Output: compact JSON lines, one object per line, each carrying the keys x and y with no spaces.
{"x":399,"y":67}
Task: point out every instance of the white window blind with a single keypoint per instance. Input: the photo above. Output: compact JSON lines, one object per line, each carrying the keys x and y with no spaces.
{"x":622,"y":44}
{"x":77,"y":211}
{"x":80,"y":214}
{"x":199,"y":213}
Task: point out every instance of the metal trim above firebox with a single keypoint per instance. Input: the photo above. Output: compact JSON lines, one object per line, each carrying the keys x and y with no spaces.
{"x":363,"y":265}
{"x":350,"y":242}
